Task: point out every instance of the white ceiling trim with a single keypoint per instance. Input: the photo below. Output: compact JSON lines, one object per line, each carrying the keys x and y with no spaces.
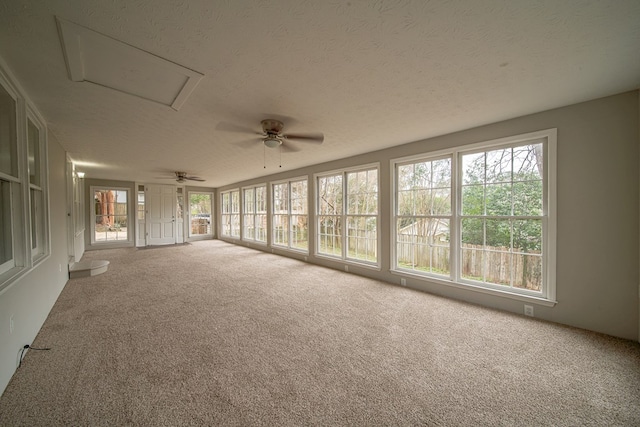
{"x":105,"y":61}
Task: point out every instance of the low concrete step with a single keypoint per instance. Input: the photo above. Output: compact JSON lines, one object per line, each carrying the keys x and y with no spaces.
{"x":87,"y":268}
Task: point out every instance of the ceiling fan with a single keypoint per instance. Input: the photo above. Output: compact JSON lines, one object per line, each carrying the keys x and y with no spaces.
{"x":272,"y":135}
{"x":183,"y":177}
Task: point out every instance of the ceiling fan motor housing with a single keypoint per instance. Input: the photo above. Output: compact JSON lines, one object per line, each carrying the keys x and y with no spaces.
{"x":272,"y":126}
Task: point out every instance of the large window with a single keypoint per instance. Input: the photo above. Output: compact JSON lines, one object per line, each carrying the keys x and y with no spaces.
{"x":482,"y":215}
{"x":200,"y":210}
{"x":110,"y":215}
{"x":230,"y":216}
{"x":24,"y":218}
{"x":358,"y":212}
{"x":10,"y":184}
{"x":290,"y":214}
{"x":255,"y":214}
{"x":423,"y":216}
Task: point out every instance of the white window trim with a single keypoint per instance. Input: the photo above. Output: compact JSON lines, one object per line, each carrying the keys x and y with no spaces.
{"x":343,"y":258}
{"x":270,"y":214}
{"x":548,"y":295}
{"x":131,"y":218}
{"x":43,"y":238}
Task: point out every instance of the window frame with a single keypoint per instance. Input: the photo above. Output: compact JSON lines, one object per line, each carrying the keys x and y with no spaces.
{"x":14,"y":193}
{"x":41,"y":205}
{"x":208,"y":235}
{"x":252,"y":217}
{"x":547,"y":295}
{"x":29,"y":241}
{"x":345,"y":215}
{"x":229,"y":211}
{"x":289,"y":214}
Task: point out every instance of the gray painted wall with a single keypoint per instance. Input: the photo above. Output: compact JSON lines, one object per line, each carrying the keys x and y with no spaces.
{"x":598,"y":212}
{"x":31,"y":297}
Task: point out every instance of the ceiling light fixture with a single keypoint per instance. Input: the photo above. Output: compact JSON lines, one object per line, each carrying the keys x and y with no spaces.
{"x":272,"y":142}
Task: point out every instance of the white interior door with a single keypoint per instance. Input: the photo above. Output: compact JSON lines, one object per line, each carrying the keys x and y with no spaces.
{"x":160,"y":201}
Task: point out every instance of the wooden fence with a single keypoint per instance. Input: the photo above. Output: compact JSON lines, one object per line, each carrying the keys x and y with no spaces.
{"x":488,"y":264}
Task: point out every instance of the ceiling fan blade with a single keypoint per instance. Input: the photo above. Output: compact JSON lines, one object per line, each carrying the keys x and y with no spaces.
{"x":286,"y":148}
{"x":247,"y":143}
{"x":232,"y":127}
{"x":316,"y":138}
{"x":194,"y":178}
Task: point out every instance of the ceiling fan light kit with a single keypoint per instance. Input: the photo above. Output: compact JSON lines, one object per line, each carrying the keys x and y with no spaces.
{"x":272,"y":142}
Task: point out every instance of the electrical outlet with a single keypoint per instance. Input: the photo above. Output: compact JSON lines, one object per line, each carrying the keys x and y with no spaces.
{"x":528,"y":310}
{"x":346,"y":268}
{"x":403,"y":281}
{"x":60,"y":268}
{"x":11,"y":324}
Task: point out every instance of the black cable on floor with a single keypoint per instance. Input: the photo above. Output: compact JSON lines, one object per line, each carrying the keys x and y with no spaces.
{"x":27,"y":346}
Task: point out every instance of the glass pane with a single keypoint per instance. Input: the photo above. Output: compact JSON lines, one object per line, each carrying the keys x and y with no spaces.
{"x":249,"y":201}
{"x":362,"y":238}
{"x":179,"y":206}
{"x":281,"y":230}
{"x":111,"y":215}
{"x":281,"y":198}
{"x":141,"y":205}
{"x":235,"y":225}
{"x":33,"y":138}
{"x":6,"y":241}
{"x":498,"y":199}
{"x":472,"y":232}
{"x":441,"y":203}
{"x":248,"y":231}
{"x":330,"y":195}
{"x":330,"y":233}
{"x":299,"y":198}
{"x":472,"y":264}
{"x":527,"y":198}
{"x":497,"y":267}
{"x":441,"y":173}
{"x":498,"y":234}
{"x":422,"y":201}
{"x":261,"y":199}
{"x":405,"y":202}
{"x":8,"y":134}
{"x":528,"y":272}
{"x":261,"y":228}
{"x":200,"y":212}
{"x":235,"y":201}
{"x":473,"y":200}
{"x":35,"y":227}
{"x":299,"y":232}
{"x":527,"y":236}
{"x":498,"y":165}
{"x":473,"y":168}
{"x":405,"y":177}
{"x":528,"y":162}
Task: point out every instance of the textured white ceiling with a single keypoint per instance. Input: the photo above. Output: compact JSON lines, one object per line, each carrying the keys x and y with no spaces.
{"x":369,"y":74}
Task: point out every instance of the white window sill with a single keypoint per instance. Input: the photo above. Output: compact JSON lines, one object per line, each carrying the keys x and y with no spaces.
{"x":479,"y":289}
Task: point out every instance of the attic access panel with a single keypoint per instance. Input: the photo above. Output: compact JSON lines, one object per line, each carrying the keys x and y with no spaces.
{"x":105,"y":61}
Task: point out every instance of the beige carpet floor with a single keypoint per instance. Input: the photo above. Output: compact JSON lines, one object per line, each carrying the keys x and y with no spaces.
{"x":216,"y":334}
